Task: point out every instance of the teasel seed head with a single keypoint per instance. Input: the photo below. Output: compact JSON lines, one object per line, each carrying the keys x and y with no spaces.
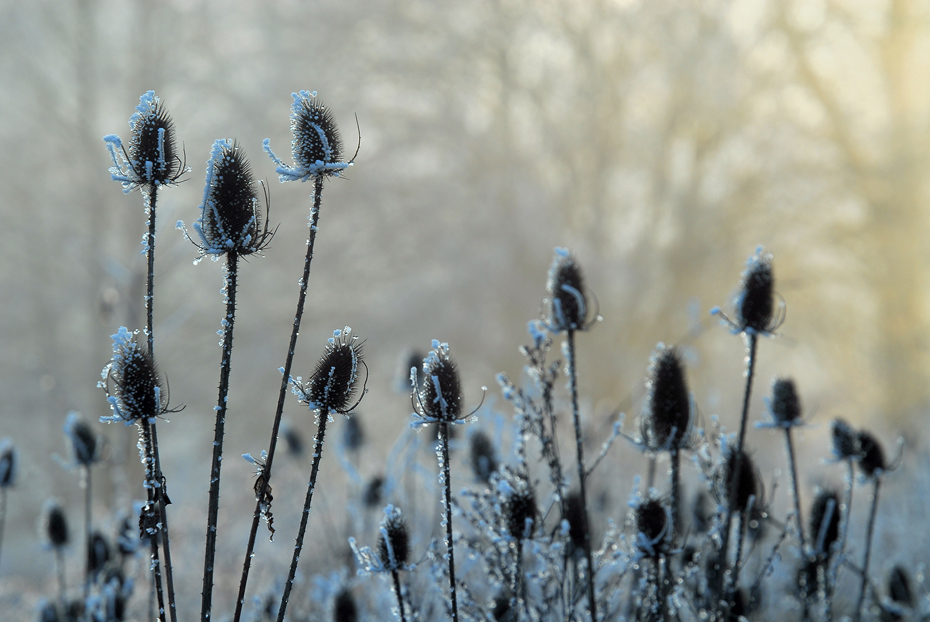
{"x":755,"y":306}
{"x":845,"y":440}
{"x":785,"y":405}
{"x":55,"y":525}
{"x":748,"y":487}
{"x":334,"y":382}
{"x":440,"y":396}
{"x":84,"y":443}
{"x":566,"y":296}
{"x":136,"y":392}
{"x":825,"y":522}
{"x":871,"y":456}
{"x":667,"y":417}
{"x":9,"y":463}
{"x":152,"y":158}
{"x":519,"y":507}
{"x":482,"y":458}
{"x":899,"y":587}
{"x":231,"y":219}
{"x":344,"y":607}
{"x":98,"y":554}
{"x":393,"y":546}
{"x":651,"y":517}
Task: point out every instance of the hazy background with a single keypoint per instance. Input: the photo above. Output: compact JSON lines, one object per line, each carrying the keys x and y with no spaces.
{"x":661,"y":141}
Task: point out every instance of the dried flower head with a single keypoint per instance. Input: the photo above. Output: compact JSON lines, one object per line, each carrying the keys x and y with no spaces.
{"x":231,"y":219}
{"x":481,"y":456}
{"x":652,"y":519}
{"x":98,"y":554}
{"x":393,"y":547}
{"x":845,"y":440}
{"x":440,"y":395}
{"x":748,"y":488}
{"x":8,"y":463}
{"x":566,"y":296}
{"x":332,"y":387}
{"x":871,"y":456}
{"x":825,"y":522}
{"x":784,"y":404}
{"x":136,"y":392}
{"x":316,"y":146}
{"x":519,"y":508}
{"x":667,"y":416}
{"x":55,"y":525}
{"x":756,"y":312}
{"x":152,"y":158}
{"x":344,"y":607}
{"x":84,"y":443}
{"x":899,"y":587}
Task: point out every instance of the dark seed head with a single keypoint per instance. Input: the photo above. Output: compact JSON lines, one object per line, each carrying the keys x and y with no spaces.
{"x":483,"y":460}
{"x":98,"y":554}
{"x":344,"y":608}
{"x":668,"y":407}
{"x":8,"y":463}
{"x":871,"y":457}
{"x":574,"y":514}
{"x":651,"y":517}
{"x":394,"y":533}
{"x":295,"y":444}
{"x":565,"y":294}
{"x":755,"y":304}
{"x":825,"y":521}
{"x":519,"y":508}
{"x":56,"y":525}
{"x":316,"y":138}
{"x":441,"y":393}
{"x":785,"y":405}
{"x":136,"y":392}
{"x":48,"y":612}
{"x":899,"y":587}
{"x":83,"y":440}
{"x":374,"y":491}
{"x":749,"y":485}
{"x":845,"y":440}
{"x":152,"y":152}
{"x":231,"y":218}
{"x":332,"y":386}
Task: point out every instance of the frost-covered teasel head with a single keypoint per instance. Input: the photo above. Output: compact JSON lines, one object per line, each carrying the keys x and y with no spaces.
{"x":748,"y":489}
{"x":151,"y":159}
{"x":231,"y":219}
{"x":845,"y":440}
{"x":519,"y":510}
{"x":85,"y":445}
{"x":652,"y":518}
{"x":825,"y":522}
{"x":9,"y":463}
{"x":566,"y":303}
{"x":394,"y":543}
{"x":439,"y":398}
{"x":756,"y":311}
{"x":784,"y":403}
{"x":131,"y":380}
{"x":667,"y":417}
{"x":316,"y":146}
{"x":334,"y":383}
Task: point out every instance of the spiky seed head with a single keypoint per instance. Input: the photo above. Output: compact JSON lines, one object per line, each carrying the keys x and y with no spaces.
{"x":136,"y":391}
{"x":231,"y":218}
{"x":344,"y":607}
{"x":98,"y":554}
{"x":333,"y":385}
{"x":845,"y":440}
{"x":566,"y":297}
{"x":519,"y":507}
{"x":652,"y":518}
{"x":316,"y":137}
{"x":825,"y":521}
{"x":8,"y":463}
{"x":668,"y":407}
{"x":899,"y":587}
{"x":55,"y":525}
{"x":83,"y":440}
{"x":153,"y":155}
{"x":441,"y":391}
{"x":871,"y":456}
{"x":749,"y":485}
{"x":353,"y":434}
{"x":374,"y":492}
{"x":785,"y":405}
{"x":396,"y":535}
{"x":482,"y":458}
{"x":755,"y":304}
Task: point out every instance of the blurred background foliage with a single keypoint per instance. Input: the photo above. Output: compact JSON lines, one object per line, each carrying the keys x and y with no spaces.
{"x":661,"y":141}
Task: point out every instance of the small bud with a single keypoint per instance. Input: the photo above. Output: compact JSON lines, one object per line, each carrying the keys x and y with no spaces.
{"x":483,"y":461}
{"x":55,"y":525}
{"x":784,"y":404}
{"x":825,"y":522}
{"x":652,"y":519}
{"x":136,"y":393}
{"x":565,"y":294}
{"x":440,"y":397}
{"x":393,"y":546}
{"x":332,"y":386}
{"x":667,"y":419}
{"x":8,"y":463}
{"x":755,"y":305}
{"x":344,"y":608}
{"x":845,"y":440}
{"x":871,"y":457}
{"x":84,"y":444}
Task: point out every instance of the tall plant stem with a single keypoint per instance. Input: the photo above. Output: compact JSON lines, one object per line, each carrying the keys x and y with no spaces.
{"x":837,"y":558}
{"x":232,"y":269}
{"x":868,"y":547}
{"x":792,"y":463}
{"x":400,"y":598}
{"x":721,"y":573}
{"x":298,"y":546}
{"x":579,"y":445}
{"x":146,"y":429}
{"x":2,"y":512}
{"x":282,"y":394}
{"x":88,"y":496}
{"x":447,"y":509}
{"x":60,"y":563}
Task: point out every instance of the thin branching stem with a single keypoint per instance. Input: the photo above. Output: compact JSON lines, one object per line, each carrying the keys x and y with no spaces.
{"x":60,"y":563}
{"x":579,"y":445}
{"x":792,"y":464}
{"x":868,"y":547}
{"x":395,"y":575}
{"x":301,"y":532}
{"x":282,"y":394}
{"x":840,"y":548}
{"x":447,"y":510}
{"x":232,"y":269}
{"x":146,"y":429}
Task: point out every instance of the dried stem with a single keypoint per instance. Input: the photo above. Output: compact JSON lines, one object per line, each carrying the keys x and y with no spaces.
{"x":447,"y":509}
{"x":868,"y":547}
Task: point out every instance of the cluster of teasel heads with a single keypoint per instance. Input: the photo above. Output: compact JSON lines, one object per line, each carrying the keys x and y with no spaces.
{"x":528,"y":543}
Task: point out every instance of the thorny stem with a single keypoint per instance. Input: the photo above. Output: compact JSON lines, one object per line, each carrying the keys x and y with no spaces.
{"x":868,"y":547}
{"x":794,"y":487}
{"x":395,"y":574}
{"x":844,"y":529}
{"x":722,"y":586}
{"x":146,"y":430}
{"x":282,"y":394}
{"x":447,"y":508}
{"x":579,"y":444}
{"x":314,"y":470}
{"x":232,"y":269}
